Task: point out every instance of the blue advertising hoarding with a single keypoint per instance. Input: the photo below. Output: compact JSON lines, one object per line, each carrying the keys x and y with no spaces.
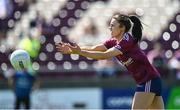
{"x":117,"y":98}
{"x":121,"y":98}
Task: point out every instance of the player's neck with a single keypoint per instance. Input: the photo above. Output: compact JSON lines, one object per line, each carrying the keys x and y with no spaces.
{"x":120,"y":37}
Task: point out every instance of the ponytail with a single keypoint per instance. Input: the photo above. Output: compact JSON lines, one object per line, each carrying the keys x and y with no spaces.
{"x":137,"y":28}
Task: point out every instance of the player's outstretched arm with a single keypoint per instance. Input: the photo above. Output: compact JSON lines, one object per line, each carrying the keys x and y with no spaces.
{"x":75,"y":49}
{"x":99,"y":47}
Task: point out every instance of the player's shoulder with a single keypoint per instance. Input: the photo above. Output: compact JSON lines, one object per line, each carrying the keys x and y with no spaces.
{"x":127,"y":41}
{"x":111,"y":41}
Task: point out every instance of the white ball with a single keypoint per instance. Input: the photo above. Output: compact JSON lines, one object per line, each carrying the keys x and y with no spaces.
{"x":20,"y":59}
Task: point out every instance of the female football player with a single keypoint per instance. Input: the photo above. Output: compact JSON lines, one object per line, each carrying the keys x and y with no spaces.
{"x":124,"y":46}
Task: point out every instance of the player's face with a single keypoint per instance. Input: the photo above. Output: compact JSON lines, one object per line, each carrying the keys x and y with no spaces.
{"x":115,"y":28}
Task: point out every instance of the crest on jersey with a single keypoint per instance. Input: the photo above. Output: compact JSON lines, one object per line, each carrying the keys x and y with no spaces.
{"x":126,"y":37}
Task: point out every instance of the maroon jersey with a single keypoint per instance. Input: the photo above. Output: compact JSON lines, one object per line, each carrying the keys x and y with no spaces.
{"x":133,"y":58}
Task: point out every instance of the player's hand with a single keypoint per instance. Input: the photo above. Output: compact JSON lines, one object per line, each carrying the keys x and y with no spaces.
{"x":75,"y":49}
{"x":63,"y":48}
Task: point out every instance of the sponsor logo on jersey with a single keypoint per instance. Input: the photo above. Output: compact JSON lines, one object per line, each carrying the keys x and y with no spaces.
{"x":128,"y":62}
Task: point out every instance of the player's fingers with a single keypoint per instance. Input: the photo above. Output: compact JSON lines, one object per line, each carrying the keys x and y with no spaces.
{"x":61,"y":50}
{"x":62,"y":43}
{"x":75,"y":45}
{"x":58,"y":47}
{"x":69,"y":45}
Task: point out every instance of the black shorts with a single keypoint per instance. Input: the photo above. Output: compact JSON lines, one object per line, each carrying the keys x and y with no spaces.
{"x":22,"y":100}
{"x":154,"y":85}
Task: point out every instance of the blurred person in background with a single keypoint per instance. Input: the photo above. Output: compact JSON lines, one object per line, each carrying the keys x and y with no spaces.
{"x":174,"y":63}
{"x":157,"y":58}
{"x":6,"y":8}
{"x":90,"y":32}
{"x":31,"y":42}
{"x":124,"y":46}
{"x":156,"y":51}
{"x":106,"y":68}
{"x":22,"y":83}
{"x":88,"y":35}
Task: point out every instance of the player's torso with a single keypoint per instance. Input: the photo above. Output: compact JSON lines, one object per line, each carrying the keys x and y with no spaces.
{"x":135,"y":60}
{"x":138,"y":65}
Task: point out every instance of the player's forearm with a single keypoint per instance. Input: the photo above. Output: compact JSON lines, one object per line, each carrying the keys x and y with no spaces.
{"x":99,"y":47}
{"x":86,"y":48}
{"x":94,"y":54}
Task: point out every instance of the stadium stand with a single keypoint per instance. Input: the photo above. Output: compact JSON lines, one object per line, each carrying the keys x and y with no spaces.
{"x":62,"y":19}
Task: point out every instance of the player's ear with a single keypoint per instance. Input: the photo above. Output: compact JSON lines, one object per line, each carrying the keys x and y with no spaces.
{"x":121,"y":25}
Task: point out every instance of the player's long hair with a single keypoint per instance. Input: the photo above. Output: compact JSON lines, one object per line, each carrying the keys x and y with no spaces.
{"x":137,"y":27}
{"x":126,"y":21}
